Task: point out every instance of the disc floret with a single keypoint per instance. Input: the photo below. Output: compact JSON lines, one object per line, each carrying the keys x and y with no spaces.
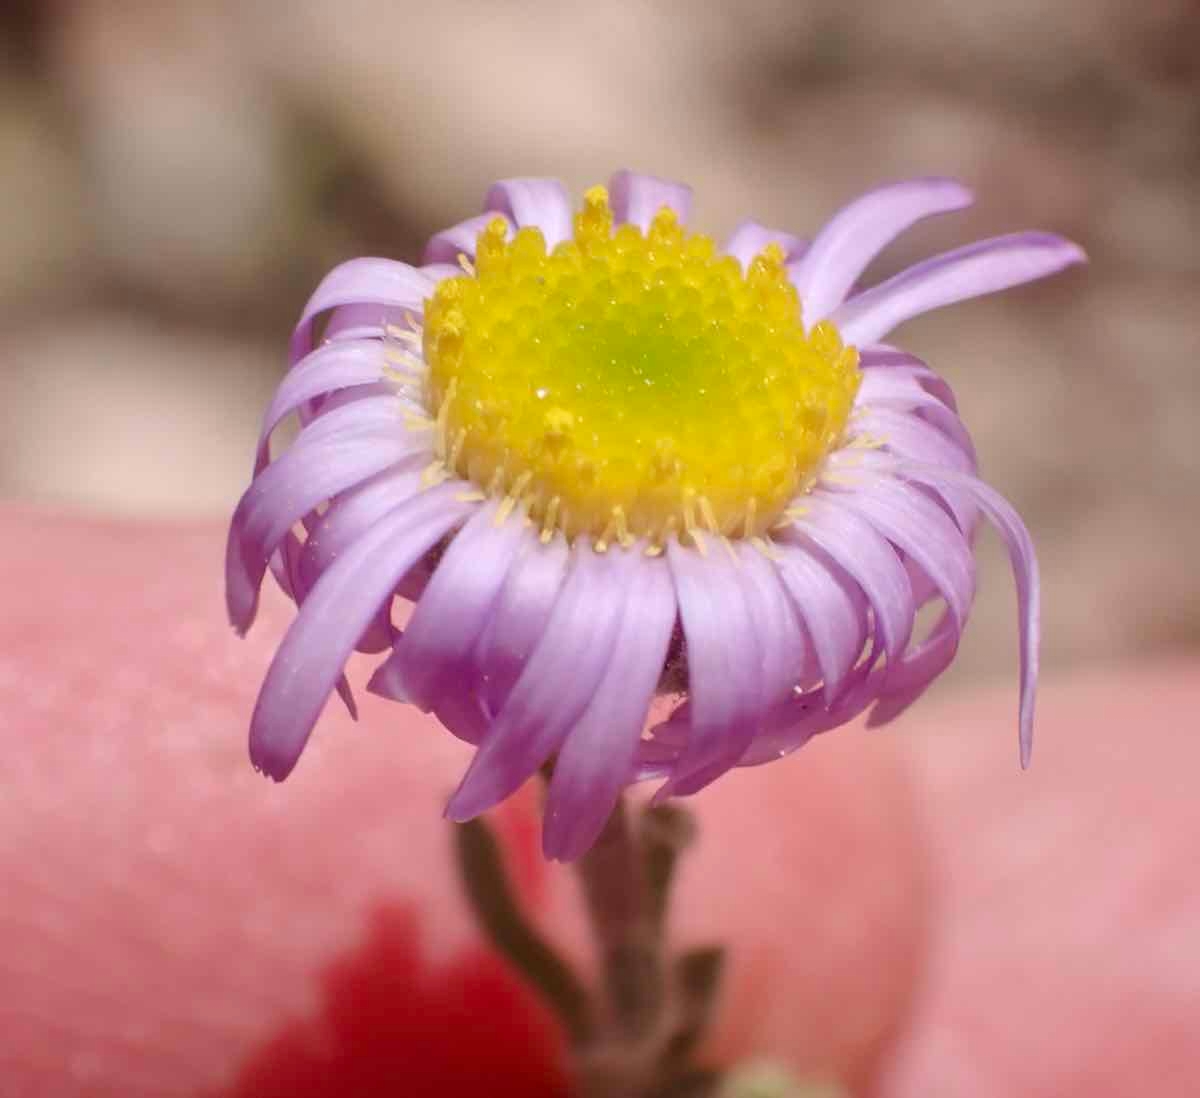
{"x":632,"y":385}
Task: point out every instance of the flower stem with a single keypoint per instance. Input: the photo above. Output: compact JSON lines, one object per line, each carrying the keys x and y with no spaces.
{"x":627,"y":934}
{"x":638,"y":1036}
{"x":481,"y":868}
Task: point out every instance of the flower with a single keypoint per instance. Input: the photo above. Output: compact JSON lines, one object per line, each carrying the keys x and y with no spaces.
{"x":609,"y":463}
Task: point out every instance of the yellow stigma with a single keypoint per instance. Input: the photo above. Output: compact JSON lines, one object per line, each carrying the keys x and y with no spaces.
{"x":628,"y":385}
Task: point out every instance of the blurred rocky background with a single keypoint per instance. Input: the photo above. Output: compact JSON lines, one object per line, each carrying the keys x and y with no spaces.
{"x":175,"y":175}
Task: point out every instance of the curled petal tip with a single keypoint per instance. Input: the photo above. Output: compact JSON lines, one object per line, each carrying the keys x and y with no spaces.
{"x":1067,"y":251}
{"x":1075,"y":252}
{"x":457,"y":811}
{"x":471,"y":797}
{"x":268,"y":762}
{"x":347,"y":696}
{"x":386,"y":682}
{"x":956,"y":192}
{"x":663,"y":793}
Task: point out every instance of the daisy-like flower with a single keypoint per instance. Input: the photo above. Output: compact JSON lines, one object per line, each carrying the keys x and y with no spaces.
{"x":608,"y":462}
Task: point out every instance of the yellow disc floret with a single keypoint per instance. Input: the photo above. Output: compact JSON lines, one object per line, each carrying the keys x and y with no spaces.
{"x":627,"y":385}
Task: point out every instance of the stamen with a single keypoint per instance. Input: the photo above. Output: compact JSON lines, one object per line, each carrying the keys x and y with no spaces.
{"x":434,"y":474}
{"x":549,"y":519}
{"x":456,"y":449}
{"x":748,"y":524}
{"x":621,"y":526}
{"x":766,"y":548}
{"x":410,"y":335}
{"x":443,"y":416}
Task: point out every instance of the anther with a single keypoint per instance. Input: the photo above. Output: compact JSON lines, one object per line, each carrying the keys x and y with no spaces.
{"x":548,"y":520}
{"x":433,"y":474}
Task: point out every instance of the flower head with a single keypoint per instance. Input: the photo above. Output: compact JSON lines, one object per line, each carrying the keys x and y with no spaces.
{"x":608,"y":461}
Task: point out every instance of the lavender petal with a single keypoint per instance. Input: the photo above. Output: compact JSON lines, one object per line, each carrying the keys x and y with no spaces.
{"x":557,"y":684}
{"x":461,"y":239}
{"x":824,"y":598}
{"x":918,"y":527}
{"x":857,"y":233}
{"x":333,"y":453}
{"x":1024,"y":563}
{"x":520,"y":617}
{"x":596,"y":758}
{"x":541,"y":203}
{"x":434,"y":655}
{"x":725,"y":673}
{"x":382,"y":282}
{"x":637,"y":198}
{"x":332,"y":367}
{"x":853,"y":544}
{"x":310,"y":658}
{"x":749,"y":239}
{"x":973,"y":271}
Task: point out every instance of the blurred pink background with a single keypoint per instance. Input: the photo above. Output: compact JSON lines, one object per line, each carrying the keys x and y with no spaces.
{"x":176,"y":176}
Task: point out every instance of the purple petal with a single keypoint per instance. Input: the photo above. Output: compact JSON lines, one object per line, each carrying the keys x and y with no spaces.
{"x":520,"y":617}
{"x":438,"y":272}
{"x":918,"y":527}
{"x":461,"y":239}
{"x":778,"y":629}
{"x":1023,"y":558}
{"x":311,"y":656}
{"x":904,"y":391}
{"x":825,"y":599}
{"x":637,"y":198}
{"x":597,"y":757}
{"x":912,"y":437}
{"x":725,"y":662}
{"x":433,"y":657}
{"x":853,"y":544}
{"x":342,"y":686}
{"x":972,"y":271}
{"x":350,"y":515}
{"x":879,"y":358}
{"x":285,"y":567}
{"x":792,"y":723}
{"x":329,"y":368}
{"x":916,"y":672}
{"x":557,"y":684}
{"x":367,"y":281}
{"x":749,"y":239}
{"x":857,"y":233}
{"x":541,"y":203}
{"x":335,"y":452}
{"x":780,"y":645}
{"x":348,"y":322}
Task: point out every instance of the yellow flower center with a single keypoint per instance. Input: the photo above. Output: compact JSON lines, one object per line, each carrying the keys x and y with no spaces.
{"x":627,"y":385}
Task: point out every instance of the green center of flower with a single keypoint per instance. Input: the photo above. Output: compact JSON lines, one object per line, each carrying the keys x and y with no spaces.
{"x":627,"y":385}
